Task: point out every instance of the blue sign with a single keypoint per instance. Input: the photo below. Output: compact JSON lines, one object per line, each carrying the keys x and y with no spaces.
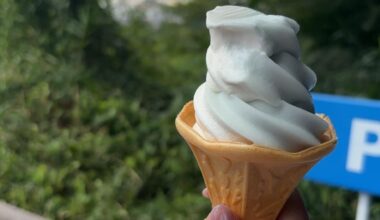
{"x":355,"y":162}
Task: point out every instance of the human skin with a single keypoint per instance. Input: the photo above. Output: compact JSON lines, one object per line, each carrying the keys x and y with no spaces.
{"x":293,"y":209}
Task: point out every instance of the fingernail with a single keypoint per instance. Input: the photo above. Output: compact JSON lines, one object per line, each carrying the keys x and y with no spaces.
{"x":205,"y":193}
{"x":220,"y":212}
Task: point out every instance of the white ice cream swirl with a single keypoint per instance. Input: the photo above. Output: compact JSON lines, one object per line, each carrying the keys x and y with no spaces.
{"x":257,"y":88}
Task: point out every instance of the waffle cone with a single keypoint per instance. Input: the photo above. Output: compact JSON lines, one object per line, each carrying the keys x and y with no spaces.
{"x":253,"y":181}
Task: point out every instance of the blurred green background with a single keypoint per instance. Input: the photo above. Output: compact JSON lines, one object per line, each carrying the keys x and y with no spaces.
{"x":89,"y":91}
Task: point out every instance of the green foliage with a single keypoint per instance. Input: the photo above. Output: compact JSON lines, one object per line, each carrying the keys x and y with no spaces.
{"x":87,"y":105}
{"x":85,"y":133}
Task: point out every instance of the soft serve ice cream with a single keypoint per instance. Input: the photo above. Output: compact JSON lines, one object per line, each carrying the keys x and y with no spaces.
{"x":257,"y":88}
{"x":256,"y":95}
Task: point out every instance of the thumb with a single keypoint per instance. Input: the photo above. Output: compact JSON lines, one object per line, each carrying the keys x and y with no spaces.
{"x":221,"y":212}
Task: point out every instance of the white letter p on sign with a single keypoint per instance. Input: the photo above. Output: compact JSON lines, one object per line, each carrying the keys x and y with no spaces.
{"x":359,"y":145}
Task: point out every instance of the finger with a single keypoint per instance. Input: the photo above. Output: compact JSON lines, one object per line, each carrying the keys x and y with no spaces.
{"x":294,"y":208}
{"x":205,"y":193}
{"x":221,"y":212}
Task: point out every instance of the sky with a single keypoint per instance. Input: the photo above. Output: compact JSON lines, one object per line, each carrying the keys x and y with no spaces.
{"x":152,"y":9}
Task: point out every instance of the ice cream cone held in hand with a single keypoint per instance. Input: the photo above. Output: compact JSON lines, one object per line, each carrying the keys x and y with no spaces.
{"x":253,"y":181}
{"x":252,"y":126}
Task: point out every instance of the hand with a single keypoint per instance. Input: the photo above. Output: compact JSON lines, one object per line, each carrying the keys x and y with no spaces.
{"x":293,"y":209}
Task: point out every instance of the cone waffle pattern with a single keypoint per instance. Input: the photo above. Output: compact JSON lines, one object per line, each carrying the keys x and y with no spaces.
{"x":253,"y":181}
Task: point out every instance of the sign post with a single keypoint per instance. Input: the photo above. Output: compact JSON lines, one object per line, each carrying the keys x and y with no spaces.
{"x":355,"y":161}
{"x":364,"y":203}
